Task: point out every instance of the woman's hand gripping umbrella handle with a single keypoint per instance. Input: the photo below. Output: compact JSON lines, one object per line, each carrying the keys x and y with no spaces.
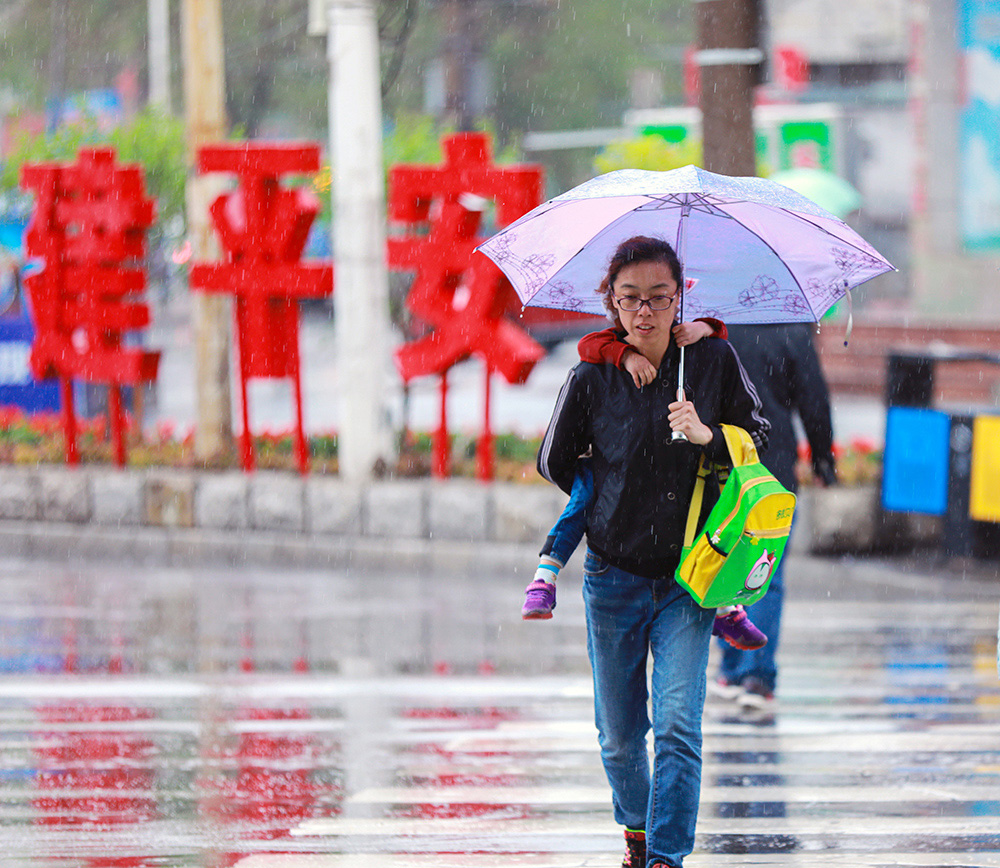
{"x":685,"y":422}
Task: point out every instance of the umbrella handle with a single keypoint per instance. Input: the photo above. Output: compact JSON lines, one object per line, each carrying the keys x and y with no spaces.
{"x":680,"y":436}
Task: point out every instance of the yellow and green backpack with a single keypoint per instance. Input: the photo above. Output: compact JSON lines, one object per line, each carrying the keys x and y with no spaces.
{"x":732,"y":558}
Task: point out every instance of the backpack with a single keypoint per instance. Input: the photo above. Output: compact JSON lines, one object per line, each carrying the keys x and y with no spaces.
{"x":732,"y":558}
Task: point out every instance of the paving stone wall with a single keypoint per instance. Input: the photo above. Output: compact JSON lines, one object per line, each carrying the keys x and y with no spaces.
{"x":324,"y":508}
{"x":454,"y":510}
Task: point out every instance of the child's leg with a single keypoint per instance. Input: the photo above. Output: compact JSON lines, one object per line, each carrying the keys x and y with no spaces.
{"x":733,"y":625}
{"x":571,"y":525}
{"x":565,"y":536}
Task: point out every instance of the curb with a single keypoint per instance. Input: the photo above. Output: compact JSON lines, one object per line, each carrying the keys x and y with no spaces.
{"x":193,"y":547}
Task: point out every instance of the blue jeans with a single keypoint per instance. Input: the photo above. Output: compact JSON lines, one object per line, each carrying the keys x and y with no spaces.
{"x":629,"y":617}
{"x":569,"y":528}
{"x":766,"y":614}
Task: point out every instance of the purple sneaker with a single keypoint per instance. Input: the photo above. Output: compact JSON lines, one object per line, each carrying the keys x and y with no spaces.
{"x":539,"y":601}
{"x":739,"y":631}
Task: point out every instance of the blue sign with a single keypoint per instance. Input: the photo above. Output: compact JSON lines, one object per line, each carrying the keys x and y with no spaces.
{"x":915,"y":463}
{"x":17,"y":387}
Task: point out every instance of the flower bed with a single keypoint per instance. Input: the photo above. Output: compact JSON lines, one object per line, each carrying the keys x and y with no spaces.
{"x":35,"y":439}
{"x":38,"y":439}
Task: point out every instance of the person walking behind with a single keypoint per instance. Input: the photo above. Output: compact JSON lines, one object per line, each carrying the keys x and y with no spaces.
{"x":782,"y":363}
{"x":635,"y":530}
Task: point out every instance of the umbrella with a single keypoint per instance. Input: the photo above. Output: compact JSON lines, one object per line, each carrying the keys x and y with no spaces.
{"x":826,"y":189}
{"x":753,"y":251}
{"x":758,"y":251}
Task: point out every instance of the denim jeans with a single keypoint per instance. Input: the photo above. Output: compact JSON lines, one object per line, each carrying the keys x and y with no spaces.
{"x":629,"y":617}
{"x":569,"y":528}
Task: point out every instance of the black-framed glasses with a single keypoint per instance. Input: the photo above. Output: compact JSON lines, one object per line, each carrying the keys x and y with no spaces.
{"x":633,"y":303}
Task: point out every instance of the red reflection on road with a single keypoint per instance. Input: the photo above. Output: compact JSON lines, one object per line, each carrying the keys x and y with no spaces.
{"x":448,"y":773}
{"x":93,"y":775}
{"x":273,"y":788}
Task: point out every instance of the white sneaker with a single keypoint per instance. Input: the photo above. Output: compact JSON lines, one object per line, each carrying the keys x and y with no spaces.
{"x":755,"y":695}
{"x":722,"y":688}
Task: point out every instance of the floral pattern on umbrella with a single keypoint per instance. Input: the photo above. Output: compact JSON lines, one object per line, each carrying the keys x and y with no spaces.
{"x":759,"y":251}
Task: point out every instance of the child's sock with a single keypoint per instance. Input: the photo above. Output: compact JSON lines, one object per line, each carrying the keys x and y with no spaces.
{"x":722,"y":611}
{"x":547,"y":570}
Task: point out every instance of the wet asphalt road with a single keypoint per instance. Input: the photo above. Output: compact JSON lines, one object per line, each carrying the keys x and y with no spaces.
{"x":313,"y":719}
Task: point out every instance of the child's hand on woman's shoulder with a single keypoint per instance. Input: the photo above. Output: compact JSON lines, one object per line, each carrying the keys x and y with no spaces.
{"x":642,"y":370}
{"x":687,"y":333}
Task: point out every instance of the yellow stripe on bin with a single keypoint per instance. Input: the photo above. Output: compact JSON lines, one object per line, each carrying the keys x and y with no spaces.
{"x":984,"y":493}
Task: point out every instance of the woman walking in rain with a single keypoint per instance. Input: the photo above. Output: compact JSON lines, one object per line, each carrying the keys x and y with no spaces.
{"x":643,"y":483}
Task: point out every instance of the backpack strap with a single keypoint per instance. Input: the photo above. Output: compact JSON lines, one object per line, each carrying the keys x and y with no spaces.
{"x":741,"y":450}
{"x":740,"y":445}
{"x":697,"y":497}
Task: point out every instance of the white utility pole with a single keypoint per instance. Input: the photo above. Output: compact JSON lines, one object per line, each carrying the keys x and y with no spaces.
{"x":158,"y":39}
{"x":361,"y":286}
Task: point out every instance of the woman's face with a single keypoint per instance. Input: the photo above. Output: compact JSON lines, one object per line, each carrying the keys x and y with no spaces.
{"x":647,"y":282}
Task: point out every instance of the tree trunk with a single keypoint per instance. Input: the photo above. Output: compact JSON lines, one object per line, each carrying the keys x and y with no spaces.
{"x":727,"y":35}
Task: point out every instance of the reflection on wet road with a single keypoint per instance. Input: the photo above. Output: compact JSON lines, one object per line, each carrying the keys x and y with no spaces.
{"x":169,"y":717}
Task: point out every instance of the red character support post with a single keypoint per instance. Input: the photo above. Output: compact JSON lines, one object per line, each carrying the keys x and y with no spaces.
{"x":263,"y":229}
{"x":89,"y":228}
{"x":461,"y":296}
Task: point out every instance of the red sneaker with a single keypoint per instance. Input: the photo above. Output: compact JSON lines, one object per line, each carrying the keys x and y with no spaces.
{"x":635,"y":849}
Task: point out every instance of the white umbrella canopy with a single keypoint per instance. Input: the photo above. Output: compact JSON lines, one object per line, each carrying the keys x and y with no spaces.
{"x":758,"y":252}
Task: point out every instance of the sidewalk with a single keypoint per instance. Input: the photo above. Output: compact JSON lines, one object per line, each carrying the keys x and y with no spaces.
{"x":348,"y":717}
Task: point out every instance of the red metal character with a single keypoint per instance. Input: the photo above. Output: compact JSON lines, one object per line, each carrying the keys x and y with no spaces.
{"x":89,"y":227}
{"x":463,"y":297}
{"x":263,"y":228}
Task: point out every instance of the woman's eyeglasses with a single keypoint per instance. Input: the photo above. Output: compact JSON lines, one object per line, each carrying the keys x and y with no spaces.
{"x":633,"y":303}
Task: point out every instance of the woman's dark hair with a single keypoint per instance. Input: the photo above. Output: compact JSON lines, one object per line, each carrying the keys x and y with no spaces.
{"x":640,"y":248}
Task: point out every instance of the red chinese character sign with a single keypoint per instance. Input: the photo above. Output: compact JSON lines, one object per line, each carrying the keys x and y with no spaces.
{"x":263,"y":228}
{"x":460,"y":296}
{"x":89,"y":229}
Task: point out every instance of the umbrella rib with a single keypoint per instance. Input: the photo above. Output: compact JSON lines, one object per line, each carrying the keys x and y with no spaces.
{"x":693,"y":201}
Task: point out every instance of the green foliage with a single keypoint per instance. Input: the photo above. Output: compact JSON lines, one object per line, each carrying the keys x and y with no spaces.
{"x":157,"y":141}
{"x":151,"y":138}
{"x":555,"y":65}
{"x":573,"y":69}
{"x":565,"y":65}
{"x":91,"y":42}
{"x":412,"y":138}
{"x":517,"y":448}
{"x":416,"y":139}
{"x":652,"y":153}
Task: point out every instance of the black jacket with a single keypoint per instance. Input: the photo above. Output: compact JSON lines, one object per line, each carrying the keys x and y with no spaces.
{"x":782,"y":363}
{"x":642,"y":480}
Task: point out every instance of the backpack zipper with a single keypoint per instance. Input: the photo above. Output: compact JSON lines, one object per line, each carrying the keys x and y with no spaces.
{"x":771,"y":533}
{"x":750,"y":483}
